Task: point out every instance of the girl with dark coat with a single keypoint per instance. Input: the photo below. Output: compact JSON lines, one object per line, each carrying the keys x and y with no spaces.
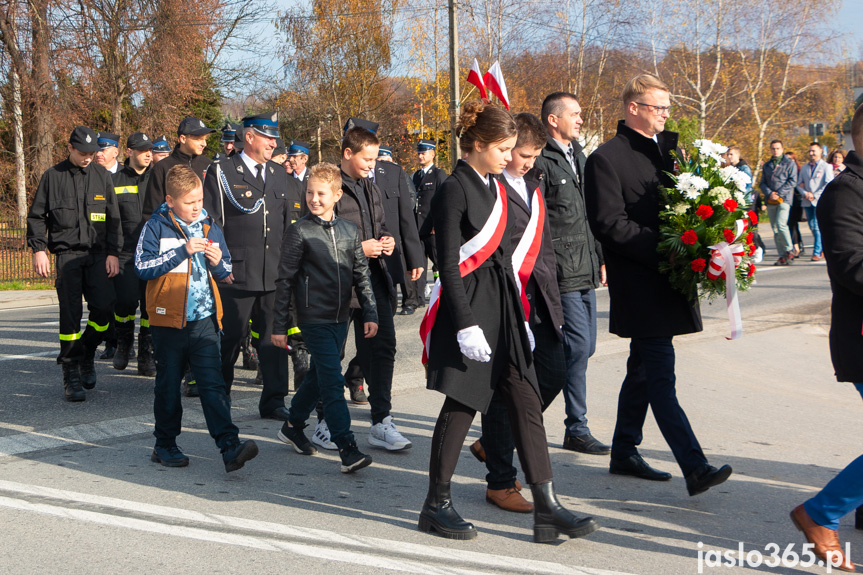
{"x":480,"y":341}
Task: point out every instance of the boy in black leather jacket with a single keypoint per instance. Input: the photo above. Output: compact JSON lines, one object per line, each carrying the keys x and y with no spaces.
{"x":322,"y":259}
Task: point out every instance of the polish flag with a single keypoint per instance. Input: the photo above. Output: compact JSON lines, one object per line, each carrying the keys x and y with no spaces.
{"x":494,"y":81}
{"x":474,"y":78}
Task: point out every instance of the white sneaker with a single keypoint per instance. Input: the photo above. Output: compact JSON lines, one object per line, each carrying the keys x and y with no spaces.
{"x":759,"y":255}
{"x":386,"y":435}
{"x":321,"y":436}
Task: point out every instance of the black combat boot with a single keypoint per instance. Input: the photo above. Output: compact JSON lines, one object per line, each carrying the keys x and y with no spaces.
{"x":72,"y":382}
{"x":550,"y":518}
{"x":146,"y":359}
{"x":439,"y":515}
{"x":125,"y":335}
{"x":88,"y":369}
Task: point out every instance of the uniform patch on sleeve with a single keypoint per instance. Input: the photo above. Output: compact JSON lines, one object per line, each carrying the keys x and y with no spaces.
{"x":97,"y":217}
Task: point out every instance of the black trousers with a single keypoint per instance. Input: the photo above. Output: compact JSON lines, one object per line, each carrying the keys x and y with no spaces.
{"x":376,"y":357}
{"x":525,"y":414}
{"x":82,"y":274}
{"x":650,"y":382}
{"x":549,"y":359}
{"x":131,"y":291}
{"x":238,"y":306}
{"x":416,"y":290}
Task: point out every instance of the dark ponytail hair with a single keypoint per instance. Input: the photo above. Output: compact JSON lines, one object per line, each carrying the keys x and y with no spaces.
{"x":484,"y":123}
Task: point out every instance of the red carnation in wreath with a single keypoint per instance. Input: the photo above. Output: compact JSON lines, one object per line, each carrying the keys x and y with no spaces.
{"x":753,"y":218}
{"x":698,"y":265}
{"x":704,"y":212}
{"x":729,"y":235}
{"x":730,"y":205}
{"x":689,"y":237}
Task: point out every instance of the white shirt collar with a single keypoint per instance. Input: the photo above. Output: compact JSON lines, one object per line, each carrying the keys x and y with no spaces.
{"x":519,"y":185}
{"x":564,"y":146}
{"x":302,"y":175}
{"x":251,"y":164}
{"x":427,"y":169}
{"x":113,"y":169}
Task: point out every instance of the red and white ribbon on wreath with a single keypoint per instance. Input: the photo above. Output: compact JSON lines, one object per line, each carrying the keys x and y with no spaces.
{"x":471,"y":255}
{"x":525,"y":253}
{"x":724,"y":260}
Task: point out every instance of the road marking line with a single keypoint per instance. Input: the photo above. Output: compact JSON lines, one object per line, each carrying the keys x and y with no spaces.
{"x":92,"y":433}
{"x":362,"y":553}
{"x":28,"y":356}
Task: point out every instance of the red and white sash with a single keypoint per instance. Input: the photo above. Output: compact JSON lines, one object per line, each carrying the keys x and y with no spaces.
{"x":471,"y":255}
{"x":527,"y":250}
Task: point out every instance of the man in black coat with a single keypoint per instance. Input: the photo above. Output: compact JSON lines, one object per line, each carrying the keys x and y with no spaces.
{"x":623,"y":200}
{"x":399,"y":217}
{"x":580,"y":267}
{"x":427,"y":180}
{"x":840,"y":215}
{"x":191,"y":140}
{"x":248,"y":196}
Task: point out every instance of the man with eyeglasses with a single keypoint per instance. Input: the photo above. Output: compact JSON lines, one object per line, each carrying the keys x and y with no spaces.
{"x":622,"y":180}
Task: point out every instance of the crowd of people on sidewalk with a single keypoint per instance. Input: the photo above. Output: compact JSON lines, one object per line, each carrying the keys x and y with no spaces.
{"x":255,"y":246}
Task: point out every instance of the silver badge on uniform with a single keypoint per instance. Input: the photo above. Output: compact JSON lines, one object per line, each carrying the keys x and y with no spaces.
{"x":88,"y":139}
{"x":271,"y":169}
{"x":202,"y":123}
{"x":240,"y":169}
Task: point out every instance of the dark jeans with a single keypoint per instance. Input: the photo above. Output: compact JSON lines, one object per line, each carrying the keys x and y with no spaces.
{"x":239,"y":306}
{"x":82,"y":273}
{"x":579,"y":342}
{"x":197,"y":344}
{"x":376,"y":357}
{"x":324,"y":381}
{"x":550,"y":363}
{"x":525,"y":413}
{"x":650,"y":381}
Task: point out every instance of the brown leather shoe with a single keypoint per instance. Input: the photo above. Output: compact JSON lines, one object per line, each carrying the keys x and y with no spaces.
{"x":509,"y":500}
{"x":478,"y":450}
{"x":824,"y":539}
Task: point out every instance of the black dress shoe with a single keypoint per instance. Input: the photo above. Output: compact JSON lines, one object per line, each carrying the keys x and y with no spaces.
{"x":636,"y":466}
{"x":279,"y":414}
{"x":407,"y":310}
{"x":706,"y":477}
{"x":586,"y":444}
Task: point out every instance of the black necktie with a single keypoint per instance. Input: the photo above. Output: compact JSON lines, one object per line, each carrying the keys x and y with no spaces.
{"x":260,"y":176}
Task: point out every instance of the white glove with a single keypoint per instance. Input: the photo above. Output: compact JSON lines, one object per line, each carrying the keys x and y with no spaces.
{"x":530,"y":336}
{"x":472,"y":343}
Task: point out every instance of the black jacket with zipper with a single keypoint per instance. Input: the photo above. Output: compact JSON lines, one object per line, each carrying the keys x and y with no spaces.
{"x":155,"y":195}
{"x":321,"y":261}
{"x":129,"y":187}
{"x":578,"y":254}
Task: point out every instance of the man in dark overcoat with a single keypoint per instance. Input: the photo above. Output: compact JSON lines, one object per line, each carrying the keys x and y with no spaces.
{"x":840,"y":217}
{"x":622,"y":180}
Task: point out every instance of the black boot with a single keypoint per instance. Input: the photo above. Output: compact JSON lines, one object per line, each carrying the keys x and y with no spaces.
{"x":88,"y":369}
{"x":72,"y":382}
{"x":550,"y":518}
{"x":125,"y":335}
{"x":439,"y":515}
{"x":146,"y":361}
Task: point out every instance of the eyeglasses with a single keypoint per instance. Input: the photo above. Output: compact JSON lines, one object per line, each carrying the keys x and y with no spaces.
{"x":658,"y":110}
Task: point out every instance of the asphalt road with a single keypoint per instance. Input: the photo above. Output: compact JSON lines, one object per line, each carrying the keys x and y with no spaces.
{"x":79,"y":495}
